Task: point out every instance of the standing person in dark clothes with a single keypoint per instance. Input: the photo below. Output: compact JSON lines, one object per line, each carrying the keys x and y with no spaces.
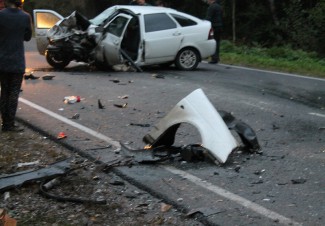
{"x":15,"y":28}
{"x":214,"y":15}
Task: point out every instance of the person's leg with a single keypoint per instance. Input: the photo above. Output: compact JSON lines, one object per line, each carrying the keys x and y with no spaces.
{"x":10,"y":89}
{"x":3,"y":98}
{"x":216,"y":35}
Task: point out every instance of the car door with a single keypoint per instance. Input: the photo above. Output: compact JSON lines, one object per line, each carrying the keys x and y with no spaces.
{"x":110,"y":46}
{"x":162,"y":38}
{"x":43,"y":21}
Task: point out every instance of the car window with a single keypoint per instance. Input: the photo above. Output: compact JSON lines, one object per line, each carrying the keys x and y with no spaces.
{"x":158,"y":22}
{"x":46,"y":20}
{"x":117,"y":26}
{"x":183,"y":21}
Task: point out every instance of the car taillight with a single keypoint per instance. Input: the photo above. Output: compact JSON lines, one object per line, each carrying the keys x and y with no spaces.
{"x":210,"y":34}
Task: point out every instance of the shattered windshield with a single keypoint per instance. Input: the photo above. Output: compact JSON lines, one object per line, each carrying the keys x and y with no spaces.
{"x":103,"y":16}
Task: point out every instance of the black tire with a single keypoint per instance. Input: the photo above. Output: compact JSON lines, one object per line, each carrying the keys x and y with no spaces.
{"x":187,"y":59}
{"x":56,"y":63}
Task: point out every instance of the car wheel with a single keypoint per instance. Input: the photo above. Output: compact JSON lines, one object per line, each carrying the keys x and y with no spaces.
{"x":187,"y":59}
{"x":55,"y":62}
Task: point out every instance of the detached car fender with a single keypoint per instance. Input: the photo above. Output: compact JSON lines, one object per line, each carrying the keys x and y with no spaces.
{"x":198,"y":111}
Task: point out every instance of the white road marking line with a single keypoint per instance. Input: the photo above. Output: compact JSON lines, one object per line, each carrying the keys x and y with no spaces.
{"x":217,"y":190}
{"x":233,"y":197}
{"x":316,"y":114}
{"x":274,"y":72}
{"x":71,"y":123}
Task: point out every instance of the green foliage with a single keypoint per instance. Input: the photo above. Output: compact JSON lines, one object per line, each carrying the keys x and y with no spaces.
{"x":275,"y":58}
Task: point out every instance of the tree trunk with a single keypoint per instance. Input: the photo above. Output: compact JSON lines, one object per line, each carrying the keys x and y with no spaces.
{"x":273,"y":11}
{"x":234,"y":21}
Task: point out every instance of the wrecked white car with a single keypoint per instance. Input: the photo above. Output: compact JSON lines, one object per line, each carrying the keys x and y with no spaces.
{"x":139,"y":35}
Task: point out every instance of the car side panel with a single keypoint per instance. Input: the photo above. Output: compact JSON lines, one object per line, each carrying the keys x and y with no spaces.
{"x":197,"y":37}
{"x":162,"y":45}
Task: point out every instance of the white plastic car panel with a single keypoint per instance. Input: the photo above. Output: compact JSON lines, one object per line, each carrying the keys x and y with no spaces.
{"x":197,"y":110}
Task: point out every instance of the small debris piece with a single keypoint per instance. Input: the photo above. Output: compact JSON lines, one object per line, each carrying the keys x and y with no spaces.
{"x":100,"y":106}
{"x":61,"y":135}
{"x":75,"y":116}
{"x":298,"y":181}
{"x":6,"y":195}
{"x":48,"y":77}
{"x":123,"y":97}
{"x":27,"y":164}
{"x":51,"y":184}
{"x":139,"y":124}
{"x":259,"y":172}
{"x":258,"y":182}
{"x":30,"y":76}
{"x":275,"y":127}
{"x":237,"y":168}
{"x":121,"y":105}
{"x":71,"y":99}
{"x":165,"y":207}
{"x":115,"y":80}
{"x":158,"y":76}
{"x":117,"y":182}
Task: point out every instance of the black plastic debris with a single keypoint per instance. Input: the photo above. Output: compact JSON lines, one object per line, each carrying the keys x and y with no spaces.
{"x":44,"y":191}
{"x":298,"y":181}
{"x":189,"y":153}
{"x":140,"y":124}
{"x":115,"y":80}
{"x":48,"y":77}
{"x":193,"y":153}
{"x":76,"y":116}
{"x":245,"y":132}
{"x":18,"y":179}
{"x":30,"y":76}
{"x":158,"y":76}
{"x":100,"y":105}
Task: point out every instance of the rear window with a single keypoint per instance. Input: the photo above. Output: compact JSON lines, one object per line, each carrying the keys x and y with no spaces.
{"x":183,"y":21}
{"x":158,"y":22}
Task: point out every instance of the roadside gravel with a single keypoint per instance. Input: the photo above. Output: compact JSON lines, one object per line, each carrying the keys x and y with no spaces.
{"x":125,"y":204}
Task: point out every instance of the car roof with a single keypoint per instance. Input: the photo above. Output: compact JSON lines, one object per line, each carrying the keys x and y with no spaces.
{"x":135,"y":9}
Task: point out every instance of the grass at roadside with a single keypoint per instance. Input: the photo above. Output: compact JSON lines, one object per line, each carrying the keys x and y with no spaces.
{"x":281,"y":59}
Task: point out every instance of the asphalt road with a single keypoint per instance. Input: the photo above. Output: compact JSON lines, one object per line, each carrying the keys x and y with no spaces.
{"x":283,"y":186}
